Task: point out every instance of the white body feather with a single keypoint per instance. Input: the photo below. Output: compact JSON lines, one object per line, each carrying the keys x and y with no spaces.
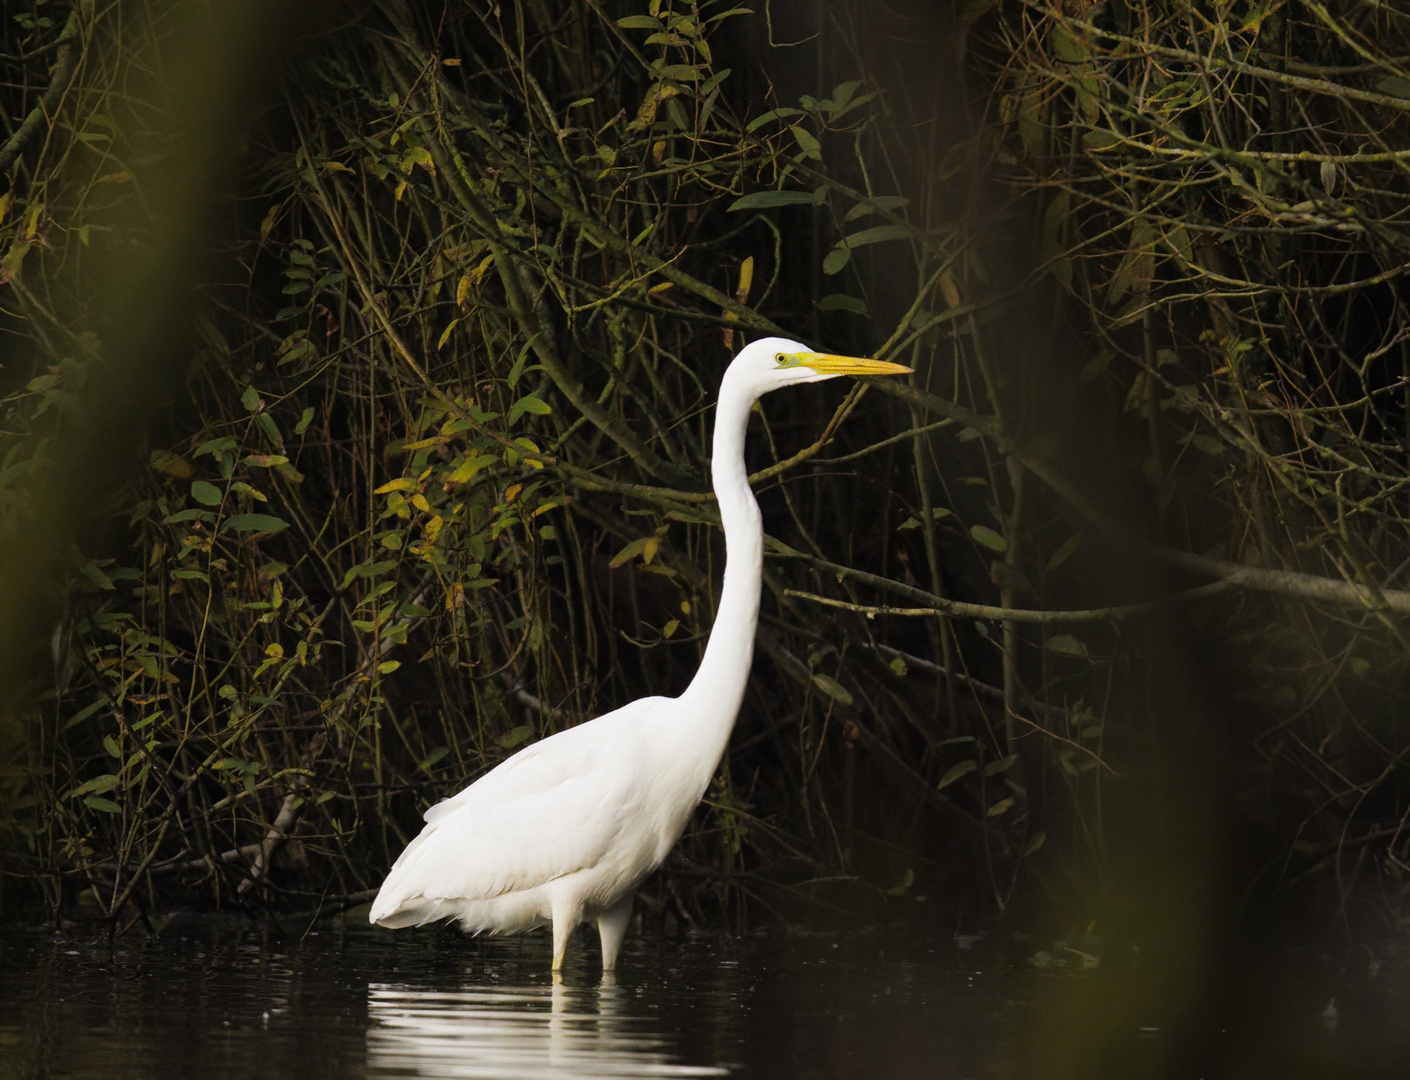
{"x":573,"y":822}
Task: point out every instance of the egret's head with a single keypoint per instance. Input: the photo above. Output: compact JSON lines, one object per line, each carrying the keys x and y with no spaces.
{"x":770,"y":363}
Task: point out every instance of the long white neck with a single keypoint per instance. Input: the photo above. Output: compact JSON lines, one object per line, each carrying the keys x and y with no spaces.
{"x":718,"y":687}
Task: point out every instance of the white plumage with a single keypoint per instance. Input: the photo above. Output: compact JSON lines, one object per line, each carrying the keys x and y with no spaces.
{"x":568,"y":828}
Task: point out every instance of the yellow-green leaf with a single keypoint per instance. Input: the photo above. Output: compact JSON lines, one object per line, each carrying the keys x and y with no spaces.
{"x":253,"y":523}
{"x":764,"y":200}
{"x":832,"y":688}
{"x":1067,"y":549}
{"x":631,"y":551}
{"x":954,"y":772}
{"x":987,"y":537}
{"x":1065,"y":645}
{"x":530,"y":403}
{"x":1394,"y":86}
{"x":515,"y":735}
{"x":96,"y":786}
{"x":467,"y":469}
{"x":165,"y":461}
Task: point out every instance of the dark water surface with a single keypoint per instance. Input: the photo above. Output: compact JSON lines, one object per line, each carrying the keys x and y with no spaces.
{"x":212,"y":1002}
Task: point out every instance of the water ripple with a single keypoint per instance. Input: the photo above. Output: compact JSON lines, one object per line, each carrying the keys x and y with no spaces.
{"x":520,"y":1032}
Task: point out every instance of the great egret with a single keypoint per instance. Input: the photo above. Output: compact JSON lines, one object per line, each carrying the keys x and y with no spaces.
{"x":568,"y":828}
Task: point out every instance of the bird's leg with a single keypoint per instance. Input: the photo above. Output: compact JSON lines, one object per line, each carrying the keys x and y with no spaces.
{"x":565,"y":921}
{"x":560,"y":943}
{"x":612,"y":927}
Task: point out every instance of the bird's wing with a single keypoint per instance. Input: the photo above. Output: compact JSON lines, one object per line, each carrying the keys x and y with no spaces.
{"x":549,"y":762}
{"x":552,"y":809}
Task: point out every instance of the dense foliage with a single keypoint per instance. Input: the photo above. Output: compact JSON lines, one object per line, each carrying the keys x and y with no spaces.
{"x":1112,"y":592}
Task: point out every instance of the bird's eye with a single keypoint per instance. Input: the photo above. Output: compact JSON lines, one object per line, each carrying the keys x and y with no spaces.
{"x":780,"y":359}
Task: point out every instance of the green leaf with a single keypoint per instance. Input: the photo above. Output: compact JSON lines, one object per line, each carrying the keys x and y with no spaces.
{"x":171,"y":464}
{"x":832,"y":688}
{"x":94,"y":573}
{"x":936,"y":513}
{"x":83,"y":714}
{"x":639,"y":22}
{"x":679,"y":72}
{"x":1034,"y":843}
{"x":630,"y":551}
{"x":1394,"y":86}
{"x":106,"y":806}
{"x":430,"y":759}
{"x":249,"y":399}
{"x":887,"y":203}
{"x":96,"y":786}
{"x":763,"y":200}
{"x":954,"y":772}
{"x":1099,"y":139}
{"x":111,"y":746}
{"x":1095,"y":366}
{"x":987,"y":537}
{"x":1068,"y":49}
{"x":386,"y":667}
{"x":205,"y":493}
{"x":999,"y":807}
{"x":843,"y":94}
{"x":1064,"y":552}
{"x":195,"y":513}
{"x":514,"y":736}
{"x":876,"y":235}
{"x":304,"y":421}
{"x":1065,"y":645}
{"x":807,"y":142}
{"x":835,"y":260}
{"x":253,"y":523}
{"x":467,"y":469}
{"x":531,"y":403}
{"x":842,"y":302}
{"x":216,"y":446}
{"x":776,"y":114}
{"x":904,"y":886}
{"x":368,"y":570}
{"x":999,"y":765}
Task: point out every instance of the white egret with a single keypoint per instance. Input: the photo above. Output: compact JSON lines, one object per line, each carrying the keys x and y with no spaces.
{"x":568,"y":828}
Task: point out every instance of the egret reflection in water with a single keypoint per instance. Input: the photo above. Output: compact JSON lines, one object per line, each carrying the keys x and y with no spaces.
{"x":524,"y":1032}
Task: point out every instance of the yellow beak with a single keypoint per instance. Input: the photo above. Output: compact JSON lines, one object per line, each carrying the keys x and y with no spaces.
{"x":828,"y":364}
